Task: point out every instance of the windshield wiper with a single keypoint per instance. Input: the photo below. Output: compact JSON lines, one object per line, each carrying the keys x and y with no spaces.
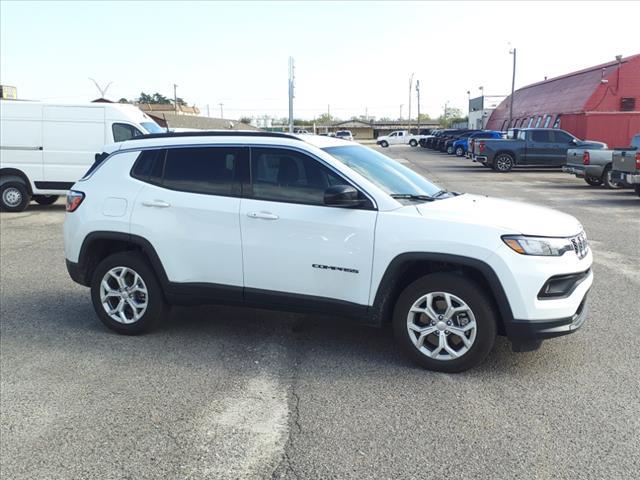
{"x":439,"y":193}
{"x":409,"y":196}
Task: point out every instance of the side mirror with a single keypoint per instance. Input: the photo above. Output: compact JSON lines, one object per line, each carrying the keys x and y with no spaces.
{"x":342,"y":196}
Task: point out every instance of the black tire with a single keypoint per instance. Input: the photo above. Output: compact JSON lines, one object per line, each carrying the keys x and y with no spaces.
{"x":45,"y":199}
{"x":459,"y":151}
{"x":14,"y":196}
{"x":594,"y":182}
{"x":467,"y":291}
{"x":413,"y":143}
{"x":156,"y":307}
{"x":449,"y":150}
{"x":606,"y":179}
{"x":384,"y":144}
{"x":503,"y":162}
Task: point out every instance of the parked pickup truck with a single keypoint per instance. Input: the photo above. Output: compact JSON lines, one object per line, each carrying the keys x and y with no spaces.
{"x":399,"y":137}
{"x":626,"y":164}
{"x":595,"y":165}
{"x":545,"y":147}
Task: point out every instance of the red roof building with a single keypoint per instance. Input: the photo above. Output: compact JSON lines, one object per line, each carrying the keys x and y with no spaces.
{"x":599,"y":103}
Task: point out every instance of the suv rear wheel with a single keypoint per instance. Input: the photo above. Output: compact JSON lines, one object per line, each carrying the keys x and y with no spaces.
{"x":594,"y":182}
{"x":459,"y":151}
{"x":606,"y":179}
{"x":126,"y":294}
{"x":444,"y":322}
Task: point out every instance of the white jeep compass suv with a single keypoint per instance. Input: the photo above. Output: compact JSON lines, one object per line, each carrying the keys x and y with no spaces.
{"x":313,"y":224}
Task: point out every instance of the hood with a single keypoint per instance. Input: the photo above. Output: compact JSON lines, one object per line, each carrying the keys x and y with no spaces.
{"x":517,"y":217}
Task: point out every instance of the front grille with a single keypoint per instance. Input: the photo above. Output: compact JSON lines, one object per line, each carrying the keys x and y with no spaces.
{"x":580,"y":245}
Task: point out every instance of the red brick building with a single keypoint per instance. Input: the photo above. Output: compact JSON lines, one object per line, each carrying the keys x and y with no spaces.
{"x":599,"y":103}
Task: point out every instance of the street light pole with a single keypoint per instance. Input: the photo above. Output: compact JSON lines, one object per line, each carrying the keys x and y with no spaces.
{"x":410,"y":87}
{"x":291,"y":95}
{"x":418,"y":92}
{"x":175,"y":98}
{"x":221,"y":111}
{"x":401,"y":105}
{"x":513,"y":84}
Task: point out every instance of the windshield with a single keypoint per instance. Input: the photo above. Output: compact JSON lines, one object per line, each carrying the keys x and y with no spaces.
{"x":152,"y":127}
{"x":391,"y":176}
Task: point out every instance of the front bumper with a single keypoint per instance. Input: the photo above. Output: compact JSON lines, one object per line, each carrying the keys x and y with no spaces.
{"x":527,"y":336}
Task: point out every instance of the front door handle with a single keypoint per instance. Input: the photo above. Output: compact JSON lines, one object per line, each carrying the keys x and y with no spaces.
{"x":263,"y":215}
{"x":156,"y":203}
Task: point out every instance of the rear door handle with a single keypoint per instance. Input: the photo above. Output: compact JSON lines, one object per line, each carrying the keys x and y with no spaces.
{"x":156,"y":203}
{"x":263,"y":215}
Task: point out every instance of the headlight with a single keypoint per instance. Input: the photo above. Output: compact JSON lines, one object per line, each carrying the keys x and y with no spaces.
{"x":548,"y":247}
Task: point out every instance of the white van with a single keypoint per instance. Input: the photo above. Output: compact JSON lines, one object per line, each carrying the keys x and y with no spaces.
{"x":45,"y":148}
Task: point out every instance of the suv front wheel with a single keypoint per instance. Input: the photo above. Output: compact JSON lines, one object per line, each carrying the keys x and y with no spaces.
{"x":126,"y":294}
{"x":445,"y":323}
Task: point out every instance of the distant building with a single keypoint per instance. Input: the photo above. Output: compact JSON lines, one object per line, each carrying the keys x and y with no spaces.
{"x":262,"y":122}
{"x":8,"y":93}
{"x":599,"y":103}
{"x":171,"y":120}
{"x":369,"y":130}
{"x":481,"y":108}
{"x":168,"y":108}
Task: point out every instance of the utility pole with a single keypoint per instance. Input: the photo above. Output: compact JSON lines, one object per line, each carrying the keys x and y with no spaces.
{"x":446,"y":107}
{"x":410,"y":87}
{"x":401,"y":105}
{"x":208,"y":110}
{"x":418,"y":92}
{"x":366,"y":113}
{"x":291,"y":94}
{"x":175,"y":98}
{"x":513,"y":84}
{"x":221,"y":111}
{"x":329,"y":112}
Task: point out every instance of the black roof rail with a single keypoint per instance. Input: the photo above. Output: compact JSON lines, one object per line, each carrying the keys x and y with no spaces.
{"x":216,"y":133}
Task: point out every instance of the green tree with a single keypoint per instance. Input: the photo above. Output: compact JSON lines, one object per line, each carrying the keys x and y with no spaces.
{"x":246,"y":120}
{"x":423,"y":117}
{"x":123,"y":100}
{"x":325,"y":119}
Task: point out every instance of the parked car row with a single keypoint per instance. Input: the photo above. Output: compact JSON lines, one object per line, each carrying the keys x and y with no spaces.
{"x":544,"y":147}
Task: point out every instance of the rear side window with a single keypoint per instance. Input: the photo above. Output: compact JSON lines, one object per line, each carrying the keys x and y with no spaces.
{"x":540,"y":136}
{"x":149,"y":166}
{"x":210,"y":170}
{"x":123,"y":132}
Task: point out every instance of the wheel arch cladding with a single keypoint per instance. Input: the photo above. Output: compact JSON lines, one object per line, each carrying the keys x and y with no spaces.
{"x":407,"y":267}
{"x":99,"y":245}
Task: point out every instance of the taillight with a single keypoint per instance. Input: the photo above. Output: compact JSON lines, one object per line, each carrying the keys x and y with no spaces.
{"x":637,"y":160}
{"x":586,"y":158}
{"x":481,"y":147}
{"x":74,"y":199}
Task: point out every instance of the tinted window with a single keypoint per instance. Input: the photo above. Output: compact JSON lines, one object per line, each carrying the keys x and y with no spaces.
{"x":123,"y":132}
{"x":149,"y":165}
{"x":289,"y":176}
{"x":562,"y":137}
{"x":540,"y":136}
{"x":211,"y":170}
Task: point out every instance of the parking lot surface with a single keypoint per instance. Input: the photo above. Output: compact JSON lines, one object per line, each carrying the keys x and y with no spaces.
{"x":222,"y":392}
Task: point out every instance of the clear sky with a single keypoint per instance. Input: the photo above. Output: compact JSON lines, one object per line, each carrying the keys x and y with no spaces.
{"x":355,"y":56}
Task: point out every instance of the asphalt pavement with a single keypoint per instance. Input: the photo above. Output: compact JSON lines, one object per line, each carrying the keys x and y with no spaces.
{"x":241,"y":393}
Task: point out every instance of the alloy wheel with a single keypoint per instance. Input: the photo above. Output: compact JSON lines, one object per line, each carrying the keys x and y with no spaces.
{"x":441,"y":326}
{"x":504,"y":163}
{"x":124,"y":295}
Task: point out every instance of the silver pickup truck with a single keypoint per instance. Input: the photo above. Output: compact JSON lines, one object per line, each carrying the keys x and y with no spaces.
{"x":626,"y":164}
{"x":594,"y":165}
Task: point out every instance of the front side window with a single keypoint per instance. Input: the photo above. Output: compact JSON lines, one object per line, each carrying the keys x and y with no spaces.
{"x":123,"y":132}
{"x":210,"y":170}
{"x":282,"y":175}
{"x":562,"y":137}
{"x":389,"y":175}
